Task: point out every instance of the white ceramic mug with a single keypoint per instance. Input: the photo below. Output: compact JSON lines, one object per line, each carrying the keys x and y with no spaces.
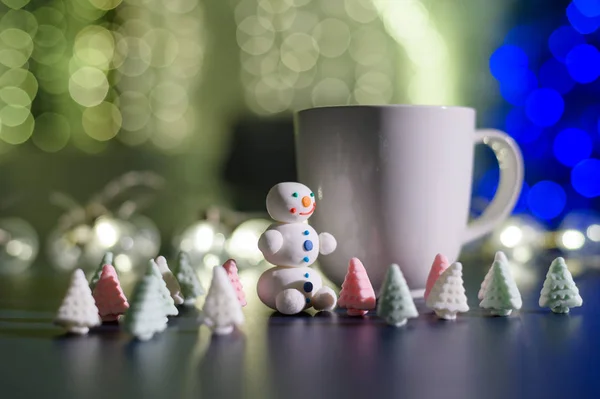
{"x":393,"y":184}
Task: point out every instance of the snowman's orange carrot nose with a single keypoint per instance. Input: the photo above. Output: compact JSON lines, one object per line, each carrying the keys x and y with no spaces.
{"x":306,"y":201}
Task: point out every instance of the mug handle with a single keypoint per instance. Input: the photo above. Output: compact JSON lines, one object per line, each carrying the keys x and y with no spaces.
{"x":511,"y":180}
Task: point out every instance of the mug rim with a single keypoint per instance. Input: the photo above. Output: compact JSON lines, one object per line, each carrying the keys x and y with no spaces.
{"x":415,"y":106}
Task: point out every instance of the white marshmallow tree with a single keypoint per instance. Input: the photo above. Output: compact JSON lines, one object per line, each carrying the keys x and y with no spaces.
{"x":222,"y":309}
{"x":501,"y":294}
{"x":163,"y":291}
{"x":447,"y":297}
{"x":559,"y":293}
{"x":78,"y":311}
{"x":499,"y":257}
{"x":170,"y":280}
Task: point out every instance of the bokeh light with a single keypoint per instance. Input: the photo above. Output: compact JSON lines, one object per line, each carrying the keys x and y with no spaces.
{"x":572,"y":146}
{"x":554,"y":75}
{"x":580,"y":22}
{"x":583,"y":63}
{"x":520,"y":127}
{"x":589,"y":8}
{"x":546,"y":199}
{"x":585,"y":178}
{"x":544,"y":107}
{"x":88,"y":86}
{"x":102,"y":122}
{"x":562,"y":40}
{"x":508,"y":63}
{"x":516,"y":89}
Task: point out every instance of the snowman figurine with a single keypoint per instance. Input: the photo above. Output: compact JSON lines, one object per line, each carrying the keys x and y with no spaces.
{"x":293,"y":245}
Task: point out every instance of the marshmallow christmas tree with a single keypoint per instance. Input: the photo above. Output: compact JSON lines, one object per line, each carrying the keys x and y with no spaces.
{"x":440,"y":263}
{"x":501,"y":294}
{"x":107,"y":259}
{"x":170,"y":280}
{"x":232,"y":272}
{"x":222,"y":308}
{"x":78,"y":311}
{"x":396,"y":304}
{"x":191,"y":288}
{"x":499,"y":257}
{"x":447,"y":297}
{"x":109,"y":297}
{"x":146,"y":314}
{"x":357,"y":293}
{"x":164,"y":293}
{"x":559,"y":292}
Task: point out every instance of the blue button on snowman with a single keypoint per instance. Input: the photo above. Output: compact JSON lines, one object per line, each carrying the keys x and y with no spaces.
{"x":293,"y":245}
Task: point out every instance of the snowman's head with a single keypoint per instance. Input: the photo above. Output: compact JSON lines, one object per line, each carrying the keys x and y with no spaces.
{"x":290,"y":202}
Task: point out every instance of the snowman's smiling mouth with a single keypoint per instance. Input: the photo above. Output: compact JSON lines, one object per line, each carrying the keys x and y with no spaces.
{"x":309,"y":212}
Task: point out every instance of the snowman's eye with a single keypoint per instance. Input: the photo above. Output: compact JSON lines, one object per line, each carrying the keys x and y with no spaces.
{"x":295,"y":195}
{"x":312,"y":195}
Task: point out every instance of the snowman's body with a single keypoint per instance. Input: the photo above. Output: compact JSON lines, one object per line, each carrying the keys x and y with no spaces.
{"x":292,"y":245}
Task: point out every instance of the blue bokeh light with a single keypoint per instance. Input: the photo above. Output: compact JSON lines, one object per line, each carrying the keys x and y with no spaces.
{"x":516,"y":89}
{"x":530,"y":37}
{"x":583,"y":63}
{"x":546,"y":199}
{"x":572,"y":146}
{"x":544,"y":107}
{"x":589,"y":8}
{"x":508,"y":62}
{"x":585,"y":178}
{"x":554,"y":75}
{"x":519,"y":127}
{"x":562,"y":40}
{"x":580,"y":22}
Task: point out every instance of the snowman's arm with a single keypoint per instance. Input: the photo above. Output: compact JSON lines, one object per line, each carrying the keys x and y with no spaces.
{"x":270,"y":242}
{"x":327,"y":243}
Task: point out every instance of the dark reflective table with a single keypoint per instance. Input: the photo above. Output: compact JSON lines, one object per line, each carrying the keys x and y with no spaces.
{"x":532,"y":354}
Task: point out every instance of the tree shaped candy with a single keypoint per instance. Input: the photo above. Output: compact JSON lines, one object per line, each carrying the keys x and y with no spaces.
{"x":447,"y":297}
{"x":232,"y":272}
{"x":164,"y":293}
{"x":222,"y":308}
{"x":107,"y":259}
{"x":170,"y":280}
{"x":191,"y":288}
{"x":78,"y":311}
{"x":109,"y":296}
{"x":501,"y":294}
{"x":395,"y":305}
{"x":440,"y":263}
{"x":357,"y":293}
{"x":559,"y":292}
{"x":499,"y":257}
{"x":146,"y":314}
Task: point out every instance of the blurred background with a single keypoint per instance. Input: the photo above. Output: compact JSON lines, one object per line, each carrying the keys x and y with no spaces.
{"x":141,"y":126}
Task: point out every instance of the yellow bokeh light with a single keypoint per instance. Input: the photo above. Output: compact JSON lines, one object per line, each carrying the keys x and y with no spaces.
{"x":275,"y":6}
{"x":135,"y":109}
{"x":105,"y":4}
{"x":102,"y":122}
{"x":15,"y":96}
{"x":180,"y":6}
{"x":330,"y":91}
{"x":299,"y":52}
{"x":15,"y":47}
{"x":50,"y":45}
{"x":52,"y":132}
{"x":369,"y":46}
{"x":280,"y":22}
{"x":135,"y":53}
{"x":14,"y":115}
{"x":20,"y":133}
{"x":21,"y":78}
{"x":361,"y":11}
{"x":332,"y":36}
{"x":88,"y":86}
{"x":164,"y":47}
{"x":170,"y":135}
{"x":94,"y":46}
{"x":168,"y":101}
{"x":373,"y":88}
{"x":84,"y":11}
{"x":16,"y":4}
{"x":19,"y":19}
{"x":49,"y":16}
{"x":255,"y":36}
{"x":268,"y":98}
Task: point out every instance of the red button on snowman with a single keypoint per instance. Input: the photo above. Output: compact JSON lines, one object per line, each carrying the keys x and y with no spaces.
{"x":293,"y":245}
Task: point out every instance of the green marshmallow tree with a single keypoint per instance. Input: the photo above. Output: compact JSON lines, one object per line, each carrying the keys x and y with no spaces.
{"x":559,"y":292}
{"x":396,"y":304}
{"x":501,"y":295}
{"x":107,"y":259}
{"x":146,"y":314}
{"x":191,"y":288}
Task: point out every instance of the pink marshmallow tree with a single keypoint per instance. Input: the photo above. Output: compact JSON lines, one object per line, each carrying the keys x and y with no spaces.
{"x":357,"y":294}
{"x":109,"y":296}
{"x":440,"y":263}
{"x":232,"y":272}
